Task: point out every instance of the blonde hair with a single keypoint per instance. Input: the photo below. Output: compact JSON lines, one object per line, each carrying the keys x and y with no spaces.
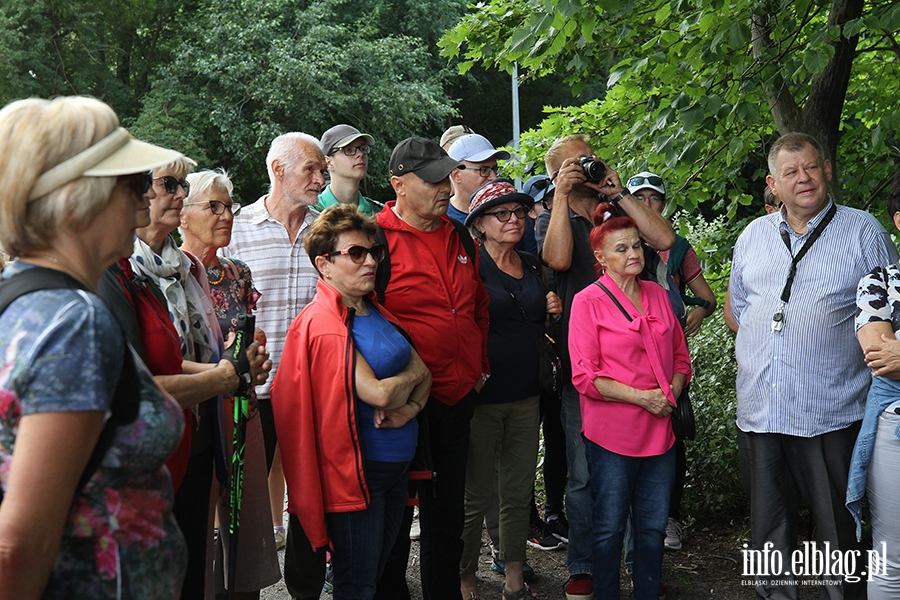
{"x":35,"y":136}
{"x":553,"y":158}
{"x":181,"y":167}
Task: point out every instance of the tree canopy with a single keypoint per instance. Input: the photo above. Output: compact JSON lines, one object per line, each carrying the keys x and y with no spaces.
{"x":696,"y":90}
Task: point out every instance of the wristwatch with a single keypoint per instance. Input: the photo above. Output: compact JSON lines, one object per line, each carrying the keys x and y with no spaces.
{"x":615,"y":200}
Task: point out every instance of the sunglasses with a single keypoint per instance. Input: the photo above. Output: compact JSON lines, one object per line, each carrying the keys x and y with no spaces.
{"x":352,"y":150}
{"x":504,"y":214}
{"x":172,"y":184}
{"x":484,"y":171}
{"x":139,"y":182}
{"x":217,"y":208}
{"x":358,"y":253}
{"x":654,"y":181}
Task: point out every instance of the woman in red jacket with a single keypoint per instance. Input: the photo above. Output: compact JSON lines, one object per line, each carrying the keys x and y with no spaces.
{"x":345,"y":400}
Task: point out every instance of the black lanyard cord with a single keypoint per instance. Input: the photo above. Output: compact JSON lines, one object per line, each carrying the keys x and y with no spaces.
{"x":786,"y":237}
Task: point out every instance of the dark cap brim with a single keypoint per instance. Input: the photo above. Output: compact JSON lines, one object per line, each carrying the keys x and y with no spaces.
{"x":438,"y":170}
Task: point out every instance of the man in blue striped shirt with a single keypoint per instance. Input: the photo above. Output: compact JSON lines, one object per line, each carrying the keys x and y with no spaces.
{"x":802,"y":380}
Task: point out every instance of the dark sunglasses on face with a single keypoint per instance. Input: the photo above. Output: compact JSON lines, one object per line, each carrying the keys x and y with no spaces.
{"x":139,"y":182}
{"x":503,"y":214}
{"x":358,"y":253}
{"x":172,"y":184}
{"x":352,"y":150}
{"x":637,"y":181}
{"x":217,"y":208}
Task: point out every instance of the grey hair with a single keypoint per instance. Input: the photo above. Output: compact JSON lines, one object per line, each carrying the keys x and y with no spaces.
{"x":286,"y":149}
{"x":476,"y":234}
{"x":202,"y":181}
{"x":794,"y":142}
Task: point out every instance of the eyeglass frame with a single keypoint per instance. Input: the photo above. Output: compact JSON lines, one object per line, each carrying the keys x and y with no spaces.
{"x":355,"y":248}
{"x":172,"y":188}
{"x":143,"y":182}
{"x":495,"y":170}
{"x":229,"y":207}
{"x":364,"y":148}
{"x":496,"y":214}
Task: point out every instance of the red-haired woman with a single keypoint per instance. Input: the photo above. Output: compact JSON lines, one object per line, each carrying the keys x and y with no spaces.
{"x":629,"y":364}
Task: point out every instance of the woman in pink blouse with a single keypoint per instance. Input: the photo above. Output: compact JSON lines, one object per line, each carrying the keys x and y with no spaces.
{"x":629,"y":364}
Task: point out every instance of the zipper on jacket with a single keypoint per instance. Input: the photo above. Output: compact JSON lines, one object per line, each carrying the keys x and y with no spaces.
{"x":350,"y":391}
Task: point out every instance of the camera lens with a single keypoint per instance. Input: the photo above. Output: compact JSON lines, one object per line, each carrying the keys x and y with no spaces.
{"x":594,"y":170}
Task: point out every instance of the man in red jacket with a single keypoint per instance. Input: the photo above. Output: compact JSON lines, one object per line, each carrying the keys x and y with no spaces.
{"x":436,"y":293}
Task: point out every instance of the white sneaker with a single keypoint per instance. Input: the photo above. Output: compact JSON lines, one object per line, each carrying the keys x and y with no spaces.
{"x":673,"y":535}
{"x":280,"y":538}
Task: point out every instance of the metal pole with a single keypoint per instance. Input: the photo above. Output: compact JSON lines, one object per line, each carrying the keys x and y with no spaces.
{"x":515,"y":114}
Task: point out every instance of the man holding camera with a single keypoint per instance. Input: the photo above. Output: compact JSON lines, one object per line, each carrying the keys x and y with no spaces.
{"x":580,"y":178}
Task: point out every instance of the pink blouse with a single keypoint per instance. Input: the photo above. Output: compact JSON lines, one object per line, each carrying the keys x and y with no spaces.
{"x":643,"y":353}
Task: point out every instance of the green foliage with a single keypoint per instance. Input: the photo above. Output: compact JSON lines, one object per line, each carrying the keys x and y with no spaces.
{"x":689,"y":92}
{"x":254,"y":70}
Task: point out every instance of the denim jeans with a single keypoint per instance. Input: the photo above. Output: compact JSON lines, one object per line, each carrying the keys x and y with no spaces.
{"x":579,"y":504}
{"x":642,"y":485}
{"x":363,"y":539}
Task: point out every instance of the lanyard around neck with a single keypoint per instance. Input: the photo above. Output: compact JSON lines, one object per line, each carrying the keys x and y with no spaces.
{"x":795,"y":260}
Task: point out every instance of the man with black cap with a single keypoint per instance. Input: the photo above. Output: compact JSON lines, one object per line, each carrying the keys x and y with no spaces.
{"x":436,"y":293}
{"x":347,"y":157}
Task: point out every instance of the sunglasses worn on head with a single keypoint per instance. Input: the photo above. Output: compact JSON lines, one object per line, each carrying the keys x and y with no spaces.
{"x":352,"y":150}
{"x":172,"y":184}
{"x":139,"y":182}
{"x":217,"y":208}
{"x":637,"y":181}
{"x":504,"y":214}
{"x":358,"y":253}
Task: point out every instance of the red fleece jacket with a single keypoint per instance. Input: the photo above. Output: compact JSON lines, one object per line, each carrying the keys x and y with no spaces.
{"x":437,"y":294}
{"x":313,"y":399}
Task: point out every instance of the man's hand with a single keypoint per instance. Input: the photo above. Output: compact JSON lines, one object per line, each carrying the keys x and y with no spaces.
{"x":884,"y":358}
{"x":693,"y":322}
{"x":554,"y":304}
{"x":260,"y":365}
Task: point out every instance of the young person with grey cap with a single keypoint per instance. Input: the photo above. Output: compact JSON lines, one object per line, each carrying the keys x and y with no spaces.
{"x":436,"y":293}
{"x":479,"y":159}
{"x":346,"y":153}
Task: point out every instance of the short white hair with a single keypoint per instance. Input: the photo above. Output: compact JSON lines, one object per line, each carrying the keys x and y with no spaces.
{"x":203,"y":180}
{"x":286,"y":150}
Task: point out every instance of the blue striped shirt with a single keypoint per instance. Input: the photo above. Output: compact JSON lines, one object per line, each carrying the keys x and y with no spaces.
{"x":811,"y":378}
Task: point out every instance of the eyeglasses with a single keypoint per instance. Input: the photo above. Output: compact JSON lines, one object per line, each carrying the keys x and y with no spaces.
{"x":139,"y":182}
{"x":503,"y":214}
{"x":172,"y":184}
{"x":352,"y":150}
{"x":358,"y":253}
{"x":654,"y":181}
{"x":217,"y":208}
{"x":485,"y":170}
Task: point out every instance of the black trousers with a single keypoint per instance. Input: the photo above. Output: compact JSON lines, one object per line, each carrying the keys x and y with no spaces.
{"x":817,"y":468}
{"x":192,"y":514}
{"x":441,"y":507}
{"x":304,"y":569}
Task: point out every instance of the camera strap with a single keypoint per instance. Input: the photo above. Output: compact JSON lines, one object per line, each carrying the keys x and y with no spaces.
{"x":778,"y":317}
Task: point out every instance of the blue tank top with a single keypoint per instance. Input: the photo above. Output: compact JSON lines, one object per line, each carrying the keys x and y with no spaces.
{"x":388,"y":353}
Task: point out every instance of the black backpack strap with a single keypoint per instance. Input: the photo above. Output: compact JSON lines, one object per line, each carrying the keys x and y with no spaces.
{"x":383,"y":273}
{"x":124,"y":406}
{"x":466,"y":238}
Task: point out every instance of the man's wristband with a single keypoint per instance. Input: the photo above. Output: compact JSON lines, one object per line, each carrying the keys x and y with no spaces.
{"x":618,"y":197}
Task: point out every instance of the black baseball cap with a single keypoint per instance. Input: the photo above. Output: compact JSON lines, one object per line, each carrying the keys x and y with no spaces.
{"x":424,"y":158}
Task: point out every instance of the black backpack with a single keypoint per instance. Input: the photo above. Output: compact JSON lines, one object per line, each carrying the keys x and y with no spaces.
{"x":124,"y":407}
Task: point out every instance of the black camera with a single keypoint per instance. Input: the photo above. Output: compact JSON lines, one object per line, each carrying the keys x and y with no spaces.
{"x":594,"y":170}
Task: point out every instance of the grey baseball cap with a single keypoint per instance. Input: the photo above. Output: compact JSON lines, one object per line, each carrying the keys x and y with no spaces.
{"x":340,"y":135}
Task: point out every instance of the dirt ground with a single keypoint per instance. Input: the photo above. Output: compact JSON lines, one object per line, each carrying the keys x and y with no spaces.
{"x":707,"y":567}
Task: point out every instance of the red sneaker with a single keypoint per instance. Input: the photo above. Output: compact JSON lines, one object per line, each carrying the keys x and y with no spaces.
{"x":580,"y":587}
